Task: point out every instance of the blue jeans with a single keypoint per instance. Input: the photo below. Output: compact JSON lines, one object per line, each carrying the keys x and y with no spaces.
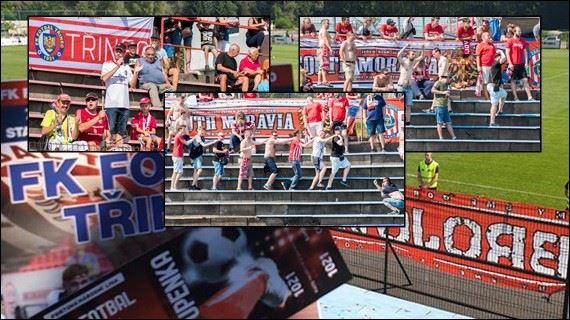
{"x":118,"y":118}
{"x":298,"y":174}
{"x":256,"y":40}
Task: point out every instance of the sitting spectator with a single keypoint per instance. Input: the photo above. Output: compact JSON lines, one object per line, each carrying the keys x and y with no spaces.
{"x":186,"y":35}
{"x":433,"y":31}
{"x":61,"y":128}
{"x":421,"y":84}
{"x":343,"y":28}
{"x":251,"y":67}
{"x":254,"y":37}
{"x":132,"y":55}
{"x":144,"y":127}
{"x":93,"y":125}
{"x":150,"y":76}
{"x":207,"y":43}
{"x":227,"y":74}
{"x":382,"y":82}
{"x":484,"y":27}
{"x":409,"y":30}
{"x":168,"y":69}
{"x":366,"y":30}
{"x":466,"y":31}
{"x":308,"y":28}
{"x":222,"y":33}
{"x":394,"y":199}
{"x":389,"y":31}
{"x":509,"y":32}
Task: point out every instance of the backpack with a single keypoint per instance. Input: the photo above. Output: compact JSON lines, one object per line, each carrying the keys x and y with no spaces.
{"x":195,"y":151}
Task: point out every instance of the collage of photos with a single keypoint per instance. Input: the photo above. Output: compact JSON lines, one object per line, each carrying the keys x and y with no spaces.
{"x":284,"y":160}
{"x":273,"y":159}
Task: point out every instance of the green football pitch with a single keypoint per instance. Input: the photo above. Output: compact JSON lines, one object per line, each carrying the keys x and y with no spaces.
{"x":535,"y":178}
{"x":14,"y":62}
{"x":287,"y":54}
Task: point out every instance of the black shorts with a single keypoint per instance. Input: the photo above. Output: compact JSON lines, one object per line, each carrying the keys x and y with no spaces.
{"x":270,"y":165}
{"x":519,"y":72}
{"x":339,"y":124}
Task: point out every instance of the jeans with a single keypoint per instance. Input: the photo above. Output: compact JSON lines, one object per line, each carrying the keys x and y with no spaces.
{"x":118,"y":118}
{"x":256,"y":40}
{"x":235,"y":142}
{"x":298,"y":174}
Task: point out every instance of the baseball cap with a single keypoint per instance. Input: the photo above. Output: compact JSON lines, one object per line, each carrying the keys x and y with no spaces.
{"x":132,"y":43}
{"x":390,"y":22}
{"x":144,"y":100}
{"x":91,"y":95}
{"x":64,"y":97}
{"x":120,"y":46}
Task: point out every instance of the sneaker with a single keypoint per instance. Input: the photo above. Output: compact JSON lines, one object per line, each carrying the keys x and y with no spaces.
{"x":320,"y":185}
{"x":531,"y":99}
{"x":266,"y":187}
{"x":214,"y":189}
{"x":284,"y":186}
{"x":499,"y":113}
{"x":328,"y":188}
{"x":407,"y":123}
{"x":196,"y":188}
{"x":454,"y":138}
{"x":493,"y":125}
{"x":344,"y":183}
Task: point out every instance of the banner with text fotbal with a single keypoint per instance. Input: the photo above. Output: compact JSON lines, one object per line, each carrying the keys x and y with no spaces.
{"x":82,"y":44}
{"x":472,"y":237}
{"x":216,"y":273}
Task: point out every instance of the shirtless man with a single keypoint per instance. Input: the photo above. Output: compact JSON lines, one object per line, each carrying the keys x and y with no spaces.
{"x":348,"y":56}
{"x":246,"y":166}
{"x":324,"y":53}
{"x":269,"y":158}
{"x":406,"y":69}
{"x":382,"y":82}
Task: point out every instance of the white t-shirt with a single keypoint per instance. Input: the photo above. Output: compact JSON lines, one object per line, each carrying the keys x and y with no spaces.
{"x":117,"y":93}
{"x":442,"y":66}
{"x":318,"y":148}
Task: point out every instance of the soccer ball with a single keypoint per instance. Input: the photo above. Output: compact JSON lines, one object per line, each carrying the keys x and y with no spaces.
{"x":210,"y":253}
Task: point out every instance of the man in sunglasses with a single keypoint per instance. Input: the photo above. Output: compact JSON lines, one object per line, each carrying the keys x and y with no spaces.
{"x":93,"y":125}
{"x":61,"y":128}
{"x":74,"y":278}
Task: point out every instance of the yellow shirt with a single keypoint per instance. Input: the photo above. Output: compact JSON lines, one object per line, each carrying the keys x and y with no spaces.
{"x":67,"y":126}
{"x":428,"y":171}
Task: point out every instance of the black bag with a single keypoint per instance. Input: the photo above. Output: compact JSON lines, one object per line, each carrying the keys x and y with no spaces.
{"x":224,"y":160}
{"x":341,"y":158}
{"x":196,"y":151}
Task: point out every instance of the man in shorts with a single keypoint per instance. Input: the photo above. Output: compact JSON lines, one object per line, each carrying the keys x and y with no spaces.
{"x":317,"y":159}
{"x":441,"y":104}
{"x":406,"y":70}
{"x":349,"y":60}
{"x":497,"y":94}
{"x":375,"y":120}
{"x":325,"y":50}
{"x":338,"y":116}
{"x":246,"y":165}
{"x":269,"y":158}
{"x":313,"y":115}
{"x":178,"y":155}
{"x":221,"y":152}
{"x":338,"y":160}
{"x":197,"y":157}
{"x":485,"y":54}
{"x":518,"y":62}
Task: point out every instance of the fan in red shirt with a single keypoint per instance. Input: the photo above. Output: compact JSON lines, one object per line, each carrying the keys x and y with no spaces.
{"x":342,"y":29}
{"x":338,"y":115}
{"x":93,"y":125}
{"x":251,"y":67}
{"x":389,"y":31}
{"x":313,"y":116}
{"x":433,"y":31}
{"x":518,"y":62}
{"x":466,"y":31}
{"x":144,"y":127}
{"x":485,"y":54}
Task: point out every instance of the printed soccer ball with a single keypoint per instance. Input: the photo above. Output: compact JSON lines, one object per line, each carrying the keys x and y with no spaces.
{"x":210,"y":253}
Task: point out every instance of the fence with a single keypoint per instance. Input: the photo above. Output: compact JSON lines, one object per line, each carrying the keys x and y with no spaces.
{"x":479,"y":257}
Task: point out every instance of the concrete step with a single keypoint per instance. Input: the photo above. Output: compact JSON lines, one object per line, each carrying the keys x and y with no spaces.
{"x":356,"y":183}
{"x":476,"y":132}
{"x":285,"y":170}
{"x":271,"y":196}
{"x":297,"y":220}
{"x":354,"y":158}
{"x":482,"y":106}
{"x":433,"y":145}
{"x":253,"y":208}
{"x":353,"y":147}
{"x":470,"y":93}
{"x":480,"y":119}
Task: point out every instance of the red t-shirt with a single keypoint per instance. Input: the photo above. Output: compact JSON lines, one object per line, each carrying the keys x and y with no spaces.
{"x":342,"y":29}
{"x":250,"y":95}
{"x":179,"y":142}
{"x":462,"y":33}
{"x":339,"y":108}
{"x":486,"y":51}
{"x":95,"y":132}
{"x":516,"y":47}
{"x":295,"y":150}
{"x":430,"y":30}
{"x":249,"y":64}
{"x":147,"y":123}
{"x":388,"y":30}
{"x":313,"y":112}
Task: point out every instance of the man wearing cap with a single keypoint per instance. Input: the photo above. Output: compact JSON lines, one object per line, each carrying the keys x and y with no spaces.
{"x":93,"y":125}
{"x":144,"y":127}
{"x":61,"y":128}
{"x":389,"y":31}
{"x":150,"y":76}
{"x":117,"y":76}
{"x":131,"y":56}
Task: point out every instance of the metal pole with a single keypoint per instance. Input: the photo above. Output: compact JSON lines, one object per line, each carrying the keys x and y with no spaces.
{"x":386,"y":247}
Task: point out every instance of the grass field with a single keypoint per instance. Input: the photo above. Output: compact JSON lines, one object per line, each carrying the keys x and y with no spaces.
{"x":14,"y":62}
{"x":536,"y":178}
{"x":287,"y":54}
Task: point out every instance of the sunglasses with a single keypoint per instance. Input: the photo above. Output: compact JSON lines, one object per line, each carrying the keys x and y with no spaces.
{"x":91,"y":99}
{"x":79,"y":283}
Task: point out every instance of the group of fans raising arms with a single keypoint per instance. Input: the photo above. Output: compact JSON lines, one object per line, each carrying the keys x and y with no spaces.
{"x":330,"y":124}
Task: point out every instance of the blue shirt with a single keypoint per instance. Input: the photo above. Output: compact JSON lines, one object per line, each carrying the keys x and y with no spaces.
{"x":151,"y":72}
{"x":374,"y":106}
